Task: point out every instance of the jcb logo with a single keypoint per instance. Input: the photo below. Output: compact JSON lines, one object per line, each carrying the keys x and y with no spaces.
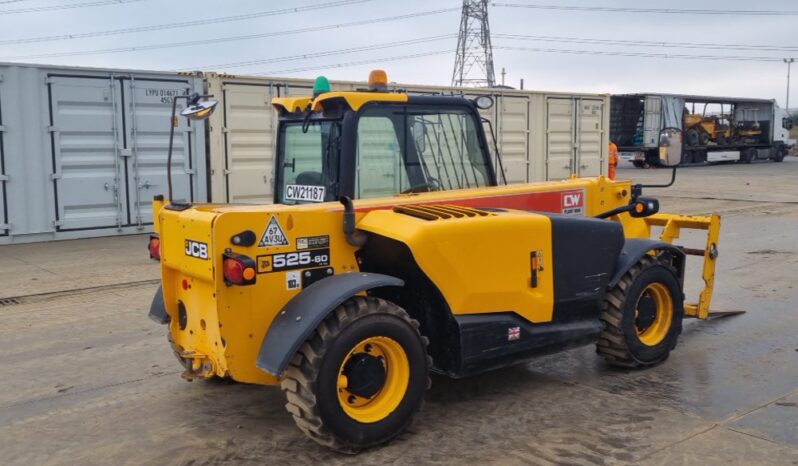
{"x":196,"y":249}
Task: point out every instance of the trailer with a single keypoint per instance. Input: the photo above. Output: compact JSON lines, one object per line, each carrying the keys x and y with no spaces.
{"x":714,"y":129}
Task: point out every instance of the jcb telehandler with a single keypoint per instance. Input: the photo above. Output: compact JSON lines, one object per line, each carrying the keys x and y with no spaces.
{"x":392,"y":252}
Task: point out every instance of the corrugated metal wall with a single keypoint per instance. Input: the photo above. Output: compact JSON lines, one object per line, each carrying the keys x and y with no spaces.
{"x":84,"y":150}
{"x":541,"y":136}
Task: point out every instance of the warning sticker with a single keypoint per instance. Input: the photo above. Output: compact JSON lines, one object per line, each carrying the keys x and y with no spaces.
{"x":313,"y":242}
{"x":274,"y":235}
{"x":292,"y":281}
{"x":573,"y":202}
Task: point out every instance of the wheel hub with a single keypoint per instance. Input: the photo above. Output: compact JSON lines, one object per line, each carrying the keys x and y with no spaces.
{"x":646,"y":313}
{"x":365,"y":375}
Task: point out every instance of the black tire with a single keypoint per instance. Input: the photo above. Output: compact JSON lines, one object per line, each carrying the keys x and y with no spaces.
{"x":722,"y":140}
{"x":748,"y":155}
{"x":311,"y":380}
{"x":620,"y":342}
{"x":693,"y":137}
{"x":781,"y":152}
{"x":704,"y":139}
{"x":638,"y":163}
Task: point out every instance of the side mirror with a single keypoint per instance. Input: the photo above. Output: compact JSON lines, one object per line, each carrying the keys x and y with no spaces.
{"x":419,"y":131}
{"x":787,"y":123}
{"x":670,"y":147}
{"x":197,"y":110}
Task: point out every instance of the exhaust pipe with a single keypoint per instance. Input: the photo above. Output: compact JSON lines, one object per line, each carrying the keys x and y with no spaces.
{"x":353,"y":237}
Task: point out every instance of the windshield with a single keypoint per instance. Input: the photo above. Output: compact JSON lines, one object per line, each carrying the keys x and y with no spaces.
{"x":309,"y":171}
{"x":393,"y":149}
{"x":417,"y":149}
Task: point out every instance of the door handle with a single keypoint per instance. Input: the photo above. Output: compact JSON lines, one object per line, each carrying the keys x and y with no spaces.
{"x":146,"y":185}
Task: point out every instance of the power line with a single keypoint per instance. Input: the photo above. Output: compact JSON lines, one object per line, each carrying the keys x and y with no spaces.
{"x":68,"y":6}
{"x":353,"y":63}
{"x":422,"y":40}
{"x":643,"y":54}
{"x":671,"y":11}
{"x":580,"y":52}
{"x":161,"y":27}
{"x":229,"y":38}
{"x":688,"y":45}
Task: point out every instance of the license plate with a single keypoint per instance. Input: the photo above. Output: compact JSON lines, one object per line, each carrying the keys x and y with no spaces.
{"x":298,"y":192}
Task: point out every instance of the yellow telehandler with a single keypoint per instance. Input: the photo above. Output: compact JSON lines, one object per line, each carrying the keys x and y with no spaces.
{"x":393,"y":251}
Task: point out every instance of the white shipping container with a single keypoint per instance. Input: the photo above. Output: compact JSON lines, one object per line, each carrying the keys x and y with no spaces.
{"x":541,"y":135}
{"x":83,"y":151}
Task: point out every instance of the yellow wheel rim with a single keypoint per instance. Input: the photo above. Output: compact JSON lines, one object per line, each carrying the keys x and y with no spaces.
{"x":652,"y":330}
{"x":373,"y":379}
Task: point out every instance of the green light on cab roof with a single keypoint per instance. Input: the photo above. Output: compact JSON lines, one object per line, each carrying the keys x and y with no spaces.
{"x":320,"y":86}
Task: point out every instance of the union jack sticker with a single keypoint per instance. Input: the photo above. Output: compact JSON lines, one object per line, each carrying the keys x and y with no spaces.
{"x":513,"y":333}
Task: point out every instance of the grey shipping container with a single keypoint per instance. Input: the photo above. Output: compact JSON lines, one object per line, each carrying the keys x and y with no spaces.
{"x":83,"y":151}
{"x":541,"y":135}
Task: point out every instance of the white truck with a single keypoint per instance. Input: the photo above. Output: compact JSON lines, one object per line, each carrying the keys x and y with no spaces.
{"x":715,"y":129}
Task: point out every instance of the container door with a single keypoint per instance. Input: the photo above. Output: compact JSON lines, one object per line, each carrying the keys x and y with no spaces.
{"x":147,"y":111}
{"x":559,"y":138}
{"x":589,"y":150}
{"x":86,"y":152}
{"x":249,"y":142}
{"x":3,"y":178}
{"x":652,"y":121}
{"x":514,"y":137}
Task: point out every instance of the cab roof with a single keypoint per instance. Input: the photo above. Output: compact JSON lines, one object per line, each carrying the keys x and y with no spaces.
{"x":354,"y":100}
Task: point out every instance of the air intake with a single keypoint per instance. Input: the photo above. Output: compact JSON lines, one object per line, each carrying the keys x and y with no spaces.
{"x":440,"y":212}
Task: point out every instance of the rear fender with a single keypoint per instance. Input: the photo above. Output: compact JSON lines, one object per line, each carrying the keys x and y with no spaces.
{"x":297,"y":321}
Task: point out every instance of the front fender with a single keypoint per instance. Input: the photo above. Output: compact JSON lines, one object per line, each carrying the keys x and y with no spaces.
{"x":635,"y":248}
{"x":305,"y":311}
{"x":158,"y":308}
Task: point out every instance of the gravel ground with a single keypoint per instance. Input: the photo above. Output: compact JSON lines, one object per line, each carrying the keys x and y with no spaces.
{"x":88,"y":379}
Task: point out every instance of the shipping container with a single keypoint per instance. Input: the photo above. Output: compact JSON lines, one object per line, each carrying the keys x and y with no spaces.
{"x":540,"y":135}
{"x":83,"y":151}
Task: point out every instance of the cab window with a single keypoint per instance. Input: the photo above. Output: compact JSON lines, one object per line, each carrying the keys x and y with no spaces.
{"x":402,"y":149}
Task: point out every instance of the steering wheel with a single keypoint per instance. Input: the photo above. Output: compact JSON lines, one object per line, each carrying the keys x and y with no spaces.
{"x":430,"y":185}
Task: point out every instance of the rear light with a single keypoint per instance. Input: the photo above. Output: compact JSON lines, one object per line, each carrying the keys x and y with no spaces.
{"x":238,"y":269}
{"x":155,"y":248}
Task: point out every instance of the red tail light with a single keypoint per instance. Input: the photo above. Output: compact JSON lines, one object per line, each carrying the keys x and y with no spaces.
{"x":238,"y":269}
{"x":155,"y":247}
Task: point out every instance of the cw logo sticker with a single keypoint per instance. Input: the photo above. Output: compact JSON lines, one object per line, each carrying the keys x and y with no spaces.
{"x":573,"y":202}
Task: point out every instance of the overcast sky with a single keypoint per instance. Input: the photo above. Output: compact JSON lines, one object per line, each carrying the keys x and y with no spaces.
{"x":540,"y":70}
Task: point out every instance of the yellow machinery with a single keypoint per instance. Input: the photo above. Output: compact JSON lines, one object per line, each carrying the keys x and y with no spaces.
{"x":393,"y":251}
{"x":700,"y":129}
